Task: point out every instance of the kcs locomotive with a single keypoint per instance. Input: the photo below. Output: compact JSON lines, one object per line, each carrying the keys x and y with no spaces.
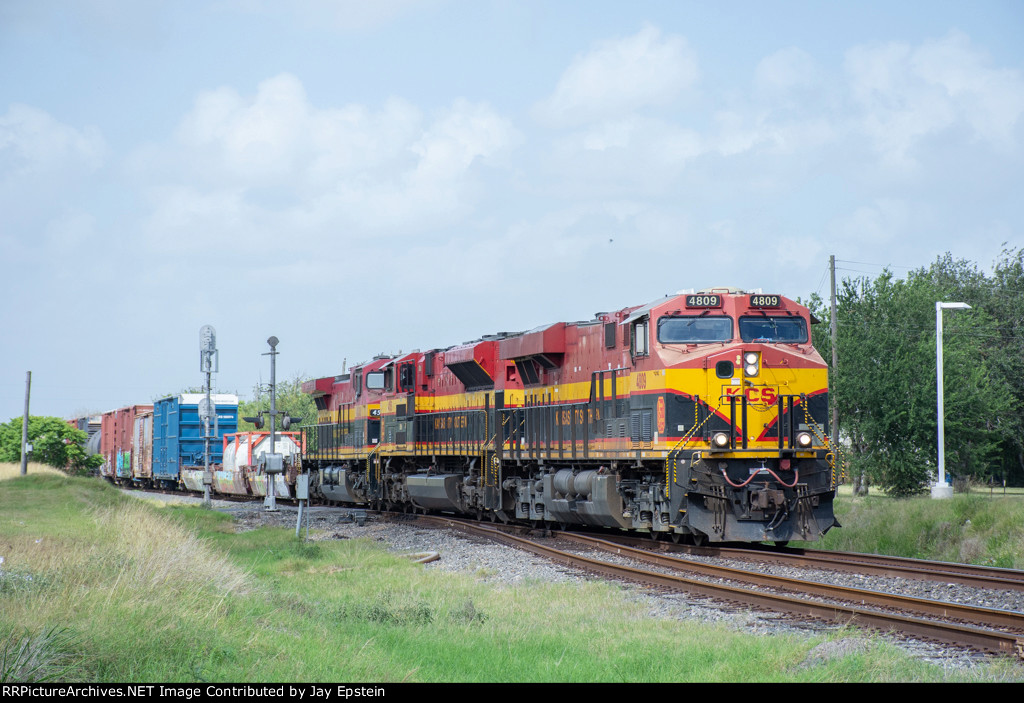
{"x":702,"y":416}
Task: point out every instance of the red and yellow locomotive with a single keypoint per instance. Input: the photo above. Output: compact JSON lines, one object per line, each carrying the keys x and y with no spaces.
{"x":701,"y":415}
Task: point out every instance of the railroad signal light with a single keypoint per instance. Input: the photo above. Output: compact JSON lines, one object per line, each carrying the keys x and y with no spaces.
{"x":209,"y":356}
{"x":257,"y":421}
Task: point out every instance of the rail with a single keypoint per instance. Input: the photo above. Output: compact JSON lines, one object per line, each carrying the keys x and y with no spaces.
{"x":956,"y":633}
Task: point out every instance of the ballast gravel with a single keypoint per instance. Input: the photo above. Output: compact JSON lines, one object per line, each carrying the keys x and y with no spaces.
{"x":505,"y":565}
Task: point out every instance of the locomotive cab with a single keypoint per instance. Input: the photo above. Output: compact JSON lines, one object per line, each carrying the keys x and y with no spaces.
{"x":750,"y":462}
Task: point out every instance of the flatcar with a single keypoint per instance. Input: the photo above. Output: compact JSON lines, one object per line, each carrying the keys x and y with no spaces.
{"x":701,"y":416}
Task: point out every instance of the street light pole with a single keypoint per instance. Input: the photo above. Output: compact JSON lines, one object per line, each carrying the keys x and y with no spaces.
{"x":942,"y":489}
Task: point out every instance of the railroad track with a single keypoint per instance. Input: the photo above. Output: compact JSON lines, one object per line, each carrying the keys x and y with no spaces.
{"x":849,"y":562}
{"x":984,"y":629}
{"x":966,"y":574}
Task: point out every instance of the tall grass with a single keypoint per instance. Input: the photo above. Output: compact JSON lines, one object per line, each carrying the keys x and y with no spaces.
{"x":8,"y":471}
{"x":970,"y":528}
{"x":155,"y":556}
{"x":35,"y":657}
{"x":83,"y":562}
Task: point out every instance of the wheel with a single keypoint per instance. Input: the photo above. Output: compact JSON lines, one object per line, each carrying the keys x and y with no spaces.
{"x":676,"y":537}
{"x":700,"y":540}
{"x":782,"y":543}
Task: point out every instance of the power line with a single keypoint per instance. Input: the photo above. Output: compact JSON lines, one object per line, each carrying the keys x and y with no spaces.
{"x":866,"y":273}
{"x":824,"y":275}
{"x":868,"y":263}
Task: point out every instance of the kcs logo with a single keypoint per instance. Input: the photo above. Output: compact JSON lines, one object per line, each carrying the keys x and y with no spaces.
{"x":755,"y":394}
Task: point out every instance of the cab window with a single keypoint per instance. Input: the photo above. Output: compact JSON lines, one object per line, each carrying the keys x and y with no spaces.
{"x":694,"y":329}
{"x":784,"y":330}
{"x":638,"y":340}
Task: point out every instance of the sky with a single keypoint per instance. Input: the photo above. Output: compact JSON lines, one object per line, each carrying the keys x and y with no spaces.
{"x":359,"y":178}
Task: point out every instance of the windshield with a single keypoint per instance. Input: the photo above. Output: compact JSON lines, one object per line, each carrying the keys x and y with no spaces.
{"x":694,"y":329}
{"x":786,"y":330}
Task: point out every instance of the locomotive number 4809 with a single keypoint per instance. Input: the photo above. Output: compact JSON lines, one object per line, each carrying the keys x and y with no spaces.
{"x":703,"y":301}
{"x":765,"y":301}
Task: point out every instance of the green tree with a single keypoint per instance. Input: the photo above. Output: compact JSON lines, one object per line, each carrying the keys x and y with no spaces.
{"x":290,"y":400}
{"x":1006,"y":304}
{"x":54,"y":442}
{"x":885,"y":384}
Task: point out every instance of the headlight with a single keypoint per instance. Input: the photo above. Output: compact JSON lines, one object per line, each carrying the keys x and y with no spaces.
{"x":750,"y":364}
{"x":804,"y":439}
{"x":720,"y":440}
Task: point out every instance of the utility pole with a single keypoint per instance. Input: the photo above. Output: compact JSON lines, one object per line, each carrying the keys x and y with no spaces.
{"x":24,"y":426}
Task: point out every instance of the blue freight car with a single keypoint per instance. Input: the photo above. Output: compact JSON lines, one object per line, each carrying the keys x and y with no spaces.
{"x":178,"y":433}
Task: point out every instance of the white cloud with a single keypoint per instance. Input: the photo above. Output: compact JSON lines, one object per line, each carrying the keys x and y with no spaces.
{"x":991,"y":100}
{"x":906,"y":94}
{"x":275,"y":156}
{"x":620,"y":76}
{"x":629,"y":156}
{"x":33,"y":142}
{"x":255,"y":140}
{"x":46,"y":169}
{"x":187,"y":221}
{"x":459,"y":136}
{"x":741,"y":131}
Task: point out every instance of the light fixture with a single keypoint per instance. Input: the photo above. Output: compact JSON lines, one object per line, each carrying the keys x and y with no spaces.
{"x":750,"y":364}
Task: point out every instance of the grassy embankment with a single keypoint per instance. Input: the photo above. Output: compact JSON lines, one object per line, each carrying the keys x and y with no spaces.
{"x":97,"y":586}
{"x":977,"y":528}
